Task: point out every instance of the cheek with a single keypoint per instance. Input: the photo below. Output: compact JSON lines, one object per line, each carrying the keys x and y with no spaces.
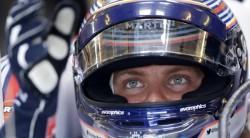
{"x":178,"y":91}
{"x":175,"y":97}
{"x":172,"y":95}
{"x":132,"y":96}
{"x":197,"y":83}
{"x":139,"y":98}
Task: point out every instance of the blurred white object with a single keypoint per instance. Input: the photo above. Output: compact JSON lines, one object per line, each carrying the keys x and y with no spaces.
{"x":1,"y":100}
{"x":242,"y":10}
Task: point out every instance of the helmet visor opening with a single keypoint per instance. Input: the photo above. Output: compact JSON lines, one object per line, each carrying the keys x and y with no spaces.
{"x":153,"y":37}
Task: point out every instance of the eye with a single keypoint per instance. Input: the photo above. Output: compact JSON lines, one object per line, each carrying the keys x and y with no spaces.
{"x":178,"y":80}
{"x":133,"y":84}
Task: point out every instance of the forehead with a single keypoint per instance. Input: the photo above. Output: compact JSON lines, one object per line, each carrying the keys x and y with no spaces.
{"x":160,"y":68}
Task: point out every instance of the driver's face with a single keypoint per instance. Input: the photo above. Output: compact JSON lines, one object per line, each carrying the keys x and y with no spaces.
{"x":156,"y":83}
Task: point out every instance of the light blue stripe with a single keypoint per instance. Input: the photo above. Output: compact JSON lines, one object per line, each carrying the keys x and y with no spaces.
{"x":208,"y":2}
{"x":215,"y":4}
{"x":224,"y":13}
{"x":228,"y":17}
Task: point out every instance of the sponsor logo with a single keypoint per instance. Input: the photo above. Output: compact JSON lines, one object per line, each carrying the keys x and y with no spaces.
{"x":135,"y":134}
{"x":116,"y":112}
{"x":193,"y":108}
{"x":156,"y":113}
{"x":148,"y":25}
{"x":7,"y":109}
{"x":212,"y":130}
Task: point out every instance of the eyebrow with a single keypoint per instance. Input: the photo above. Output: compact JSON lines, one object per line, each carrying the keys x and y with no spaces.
{"x":167,"y":71}
{"x":188,"y":68}
{"x":131,"y":72}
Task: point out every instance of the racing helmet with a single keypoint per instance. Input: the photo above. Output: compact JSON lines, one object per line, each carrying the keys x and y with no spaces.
{"x":117,"y":35}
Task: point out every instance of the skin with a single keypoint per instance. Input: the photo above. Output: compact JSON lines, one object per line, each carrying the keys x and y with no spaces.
{"x":245,"y":133}
{"x":156,"y":83}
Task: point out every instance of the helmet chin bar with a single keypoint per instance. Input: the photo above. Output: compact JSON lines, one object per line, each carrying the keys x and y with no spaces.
{"x":228,"y":110}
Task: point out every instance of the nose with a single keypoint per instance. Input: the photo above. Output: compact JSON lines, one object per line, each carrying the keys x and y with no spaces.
{"x":161,"y":95}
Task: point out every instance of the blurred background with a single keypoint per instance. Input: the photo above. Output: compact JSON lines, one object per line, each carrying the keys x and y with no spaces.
{"x":4,"y":7}
{"x":241,"y":9}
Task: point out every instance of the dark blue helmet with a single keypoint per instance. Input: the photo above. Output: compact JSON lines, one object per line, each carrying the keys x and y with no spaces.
{"x":122,"y":34}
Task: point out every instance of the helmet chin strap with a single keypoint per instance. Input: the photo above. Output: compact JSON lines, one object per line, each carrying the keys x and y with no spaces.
{"x":111,"y":83}
{"x":230,"y":108}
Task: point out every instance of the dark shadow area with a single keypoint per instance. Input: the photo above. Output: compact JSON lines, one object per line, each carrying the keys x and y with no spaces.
{"x":4,"y":8}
